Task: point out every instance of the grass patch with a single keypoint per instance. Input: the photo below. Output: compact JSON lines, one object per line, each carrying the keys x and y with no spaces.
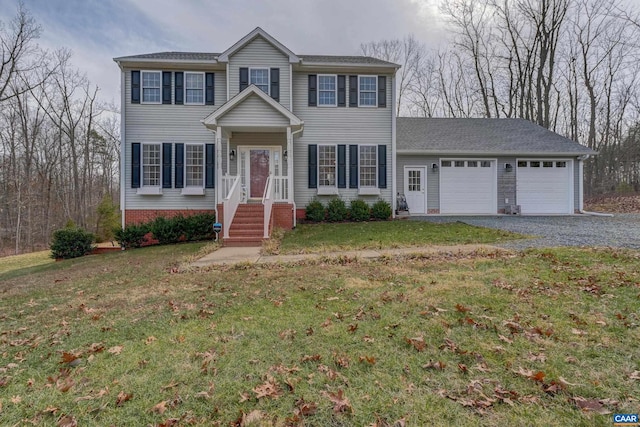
{"x":477,"y":339}
{"x":30,"y":260}
{"x":309,"y":238}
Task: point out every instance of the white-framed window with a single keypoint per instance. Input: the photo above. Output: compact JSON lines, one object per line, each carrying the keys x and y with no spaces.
{"x":260,"y":78}
{"x":368,"y":91}
{"x":151,"y":165}
{"x":194,"y":88}
{"x":194,"y":165}
{"x":151,"y":87}
{"x":327,"y":90}
{"x":327,"y":161}
{"x":368,"y":165}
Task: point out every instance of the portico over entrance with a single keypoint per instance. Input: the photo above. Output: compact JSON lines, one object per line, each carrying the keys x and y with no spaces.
{"x":254,"y":155}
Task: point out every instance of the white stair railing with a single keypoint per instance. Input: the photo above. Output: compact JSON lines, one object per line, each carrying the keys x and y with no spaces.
{"x":281,"y":188}
{"x":267,"y":203}
{"x":230,"y":204}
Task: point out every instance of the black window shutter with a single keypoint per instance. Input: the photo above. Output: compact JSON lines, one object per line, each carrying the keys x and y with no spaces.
{"x":210,"y":162}
{"x":275,"y":84}
{"x":166,"y":87}
{"x":342,"y":91}
{"x":353,"y":91}
{"x":166,"y":165}
{"x":382,"y":166}
{"x":313,"y":96}
{"x":210,"y":96}
{"x":179,"y":165}
{"x":244,"y":78}
{"x":313,"y":166}
{"x":342,"y":166}
{"x":179,"y":90}
{"x":382,"y":92}
{"x":135,"y":87}
{"x":135,"y":165}
{"x":353,"y":166}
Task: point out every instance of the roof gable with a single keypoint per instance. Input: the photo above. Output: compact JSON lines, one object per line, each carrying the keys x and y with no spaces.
{"x":212,"y":119}
{"x":258,"y":32}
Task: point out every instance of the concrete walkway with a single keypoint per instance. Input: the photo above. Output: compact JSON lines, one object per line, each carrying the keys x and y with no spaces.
{"x":232,"y":255}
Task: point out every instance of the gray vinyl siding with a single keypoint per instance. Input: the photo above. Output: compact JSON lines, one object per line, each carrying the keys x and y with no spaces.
{"x":256,"y":139}
{"x":253,"y":111}
{"x":506,"y":182}
{"x":260,"y":54}
{"x":160,"y":123}
{"x":338,"y":125}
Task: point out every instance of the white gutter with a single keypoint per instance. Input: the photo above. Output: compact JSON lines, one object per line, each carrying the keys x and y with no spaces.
{"x":581,"y":160}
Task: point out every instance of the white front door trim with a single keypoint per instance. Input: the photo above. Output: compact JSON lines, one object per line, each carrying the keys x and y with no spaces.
{"x":244,"y":153}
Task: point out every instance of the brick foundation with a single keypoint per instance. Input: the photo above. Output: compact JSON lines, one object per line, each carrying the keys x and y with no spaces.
{"x":137,"y":216}
{"x":301,"y":213}
{"x":282,"y":216}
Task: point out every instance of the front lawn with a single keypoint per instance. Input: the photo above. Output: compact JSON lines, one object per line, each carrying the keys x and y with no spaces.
{"x":543,"y":338}
{"x":308,"y":238}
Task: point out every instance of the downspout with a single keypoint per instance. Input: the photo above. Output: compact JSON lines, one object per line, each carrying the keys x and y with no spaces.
{"x":293,"y":201}
{"x":581,"y":160}
{"x":122,"y":145}
{"x":393,"y":147}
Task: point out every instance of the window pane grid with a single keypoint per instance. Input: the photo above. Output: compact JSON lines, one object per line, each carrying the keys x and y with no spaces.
{"x":368,"y":89}
{"x":414,"y":181}
{"x":260,"y":78}
{"x":194,"y":88}
{"x":151,"y":165}
{"x":150,"y":87}
{"x":194,"y":165}
{"x":368,"y":165}
{"x":327,"y":165}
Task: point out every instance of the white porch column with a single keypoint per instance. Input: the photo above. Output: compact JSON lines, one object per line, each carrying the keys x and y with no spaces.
{"x":219,"y":187}
{"x":290,"y":165}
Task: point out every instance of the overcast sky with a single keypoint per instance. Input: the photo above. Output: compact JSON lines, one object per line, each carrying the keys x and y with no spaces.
{"x":98,"y":30}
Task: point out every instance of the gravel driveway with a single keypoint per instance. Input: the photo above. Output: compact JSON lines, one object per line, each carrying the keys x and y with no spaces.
{"x":621,"y":230}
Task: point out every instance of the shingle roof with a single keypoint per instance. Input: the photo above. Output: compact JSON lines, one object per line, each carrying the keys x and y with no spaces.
{"x":205,"y":56}
{"x":336,"y":59}
{"x":173,"y":56}
{"x":481,"y":136}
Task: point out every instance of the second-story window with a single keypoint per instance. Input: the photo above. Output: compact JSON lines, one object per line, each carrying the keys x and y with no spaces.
{"x":151,"y":87}
{"x":194,"y":88}
{"x":327,"y":90}
{"x":260,"y":78}
{"x":368,"y":91}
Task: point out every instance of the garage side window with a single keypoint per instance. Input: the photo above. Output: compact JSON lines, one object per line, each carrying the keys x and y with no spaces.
{"x":446,"y":163}
{"x":561,"y":164}
{"x":522,"y":164}
{"x":485,"y":164}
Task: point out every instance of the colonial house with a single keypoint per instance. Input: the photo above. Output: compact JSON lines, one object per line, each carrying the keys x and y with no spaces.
{"x":256,"y":132}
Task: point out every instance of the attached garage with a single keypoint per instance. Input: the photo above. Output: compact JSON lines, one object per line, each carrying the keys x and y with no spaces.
{"x":544,"y":186}
{"x":468,"y":186}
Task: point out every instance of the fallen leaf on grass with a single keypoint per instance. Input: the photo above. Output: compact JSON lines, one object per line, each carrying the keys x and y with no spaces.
{"x":590,"y":405}
{"x":66,"y":421}
{"x":368,"y":359}
{"x":51,"y":410}
{"x":116,"y":350}
{"x":65,"y":385}
{"x":305,"y":408}
{"x":123,"y":397}
{"x":150,"y":340}
{"x":435,"y":365}
{"x":417,"y":342}
{"x":505,"y":339}
{"x":16,"y":399}
{"x":68,"y":357}
{"x":269,"y":388}
{"x":252,"y":417}
{"x":635,"y":375}
{"x":160,"y":407}
{"x":340,"y":402}
{"x":578,"y":332}
{"x":462,"y":309}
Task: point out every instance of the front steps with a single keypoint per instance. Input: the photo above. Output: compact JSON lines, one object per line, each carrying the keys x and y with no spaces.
{"x":247,"y":228}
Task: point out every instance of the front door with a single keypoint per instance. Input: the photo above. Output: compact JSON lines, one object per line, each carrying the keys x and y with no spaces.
{"x":258,"y":172}
{"x":414,"y":188}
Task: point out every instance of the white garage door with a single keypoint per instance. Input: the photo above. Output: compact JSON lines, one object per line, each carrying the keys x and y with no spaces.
{"x":468,"y":187}
{"x":545,"y":186}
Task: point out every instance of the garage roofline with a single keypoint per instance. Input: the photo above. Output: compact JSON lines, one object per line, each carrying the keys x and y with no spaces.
{"x":494,"y":154}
